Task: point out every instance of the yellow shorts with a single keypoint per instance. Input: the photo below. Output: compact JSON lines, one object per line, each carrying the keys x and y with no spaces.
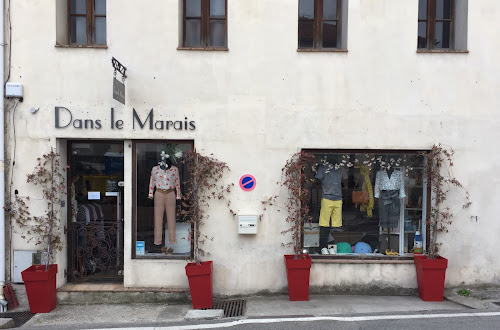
{"x":330,"y":210}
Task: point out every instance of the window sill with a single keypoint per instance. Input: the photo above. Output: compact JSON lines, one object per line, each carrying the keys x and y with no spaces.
{"x":82,"y":46}
{"x":442,"y":51}
{"x":224,"y":49}
{"x":161,"y":256}
{"x":361,"y":259}
{"x":325,"y":50}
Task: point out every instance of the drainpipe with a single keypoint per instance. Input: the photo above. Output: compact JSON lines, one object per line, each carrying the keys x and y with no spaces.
{"x":2,"y":158}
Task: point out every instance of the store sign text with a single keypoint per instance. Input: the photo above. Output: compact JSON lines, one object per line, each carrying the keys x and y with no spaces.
{"x":64,"y":118}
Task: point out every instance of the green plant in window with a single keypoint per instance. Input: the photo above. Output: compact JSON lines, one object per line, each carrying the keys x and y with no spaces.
{"x":204,"y":185}
{"x":44,"y":230}
{"x":297,"y":179}
{"x":439,"y":174}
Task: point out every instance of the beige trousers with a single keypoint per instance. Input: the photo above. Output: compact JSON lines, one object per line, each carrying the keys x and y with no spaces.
{"x":164,"y":203}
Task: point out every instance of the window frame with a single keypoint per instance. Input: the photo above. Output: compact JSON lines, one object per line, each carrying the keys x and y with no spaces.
{"x":426,"y":208}
{"x":205,"y":20}
{"x":133,"y":251}
{"x":90,"y":16}
{"x":318,"y":28}
{"x":431,"y":27}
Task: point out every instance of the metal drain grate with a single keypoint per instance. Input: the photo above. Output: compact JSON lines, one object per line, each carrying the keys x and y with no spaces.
{"x":496,"y":303}
{"x":231,"y":308}
{"x":19,"y":318}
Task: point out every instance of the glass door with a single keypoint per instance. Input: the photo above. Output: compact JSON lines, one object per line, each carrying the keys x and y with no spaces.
{"x":95,"y":215}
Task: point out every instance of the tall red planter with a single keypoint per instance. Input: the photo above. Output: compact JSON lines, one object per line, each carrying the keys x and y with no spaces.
{"x":430,"y":277}
{"x":40,"y":287}
{"x":297,"y":271}
{"x":200,"y":283}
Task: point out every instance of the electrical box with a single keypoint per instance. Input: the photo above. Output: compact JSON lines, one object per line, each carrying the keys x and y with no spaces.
{"x":311,"y":235}
{"x":13,"y":90}
{"x":22,"y":260}
{"x":247,"y":224}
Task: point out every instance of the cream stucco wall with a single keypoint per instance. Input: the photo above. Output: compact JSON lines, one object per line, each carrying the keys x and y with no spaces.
{"x":260,"y":102}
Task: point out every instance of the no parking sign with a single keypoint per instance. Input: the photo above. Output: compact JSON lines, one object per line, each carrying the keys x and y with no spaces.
{"x":248,"y":182}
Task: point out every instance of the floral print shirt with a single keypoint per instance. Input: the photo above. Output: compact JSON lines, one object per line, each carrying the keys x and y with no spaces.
{"x":164,"y":179}
{"x":395,"y":182}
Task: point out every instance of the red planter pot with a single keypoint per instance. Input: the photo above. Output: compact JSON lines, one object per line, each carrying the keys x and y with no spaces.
{"x":430,"y":277}
{"x":40,"y":287}
{"x":200,"y":283}
{"x":297,"y":271}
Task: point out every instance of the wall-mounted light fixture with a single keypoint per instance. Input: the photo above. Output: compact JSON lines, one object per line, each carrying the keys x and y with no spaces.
{"x":33,"y":109}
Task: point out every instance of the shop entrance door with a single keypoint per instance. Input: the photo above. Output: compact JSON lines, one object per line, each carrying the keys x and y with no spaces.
{"x":95,"y":212}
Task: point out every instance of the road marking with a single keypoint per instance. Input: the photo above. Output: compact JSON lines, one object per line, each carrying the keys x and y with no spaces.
{"x":313,"y":319}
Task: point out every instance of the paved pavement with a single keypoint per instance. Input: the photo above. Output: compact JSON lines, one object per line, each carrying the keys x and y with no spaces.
{"x":479,"y":299}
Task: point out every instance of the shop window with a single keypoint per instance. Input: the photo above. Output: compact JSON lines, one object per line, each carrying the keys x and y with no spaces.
{"x":159,"y":176}
{"x":385,"y":222}
{"x":322,"y":24}
{"x":442,"y":24}
{"x":204,"y":24}
{"x":81,"y":23}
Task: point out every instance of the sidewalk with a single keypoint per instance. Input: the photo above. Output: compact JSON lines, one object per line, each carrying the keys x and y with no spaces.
{"x":129,"y":315}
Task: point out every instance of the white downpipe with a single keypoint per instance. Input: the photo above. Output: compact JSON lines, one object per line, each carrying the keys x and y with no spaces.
{"x":2,"y":158}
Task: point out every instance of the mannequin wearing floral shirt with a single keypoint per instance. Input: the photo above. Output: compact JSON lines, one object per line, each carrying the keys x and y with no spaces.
{"x":165,"y":183}
{"x":389,"y":189}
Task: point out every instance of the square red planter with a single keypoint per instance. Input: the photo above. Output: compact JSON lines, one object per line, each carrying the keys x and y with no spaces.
{"x":200,"y":283}
{"x":298,"y":271}
{"x":430,"y":277}
{"x":40,"y":287}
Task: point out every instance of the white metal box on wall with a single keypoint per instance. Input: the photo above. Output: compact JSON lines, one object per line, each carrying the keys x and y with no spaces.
{"x":247,"y":224}
{"x":22,"y":260}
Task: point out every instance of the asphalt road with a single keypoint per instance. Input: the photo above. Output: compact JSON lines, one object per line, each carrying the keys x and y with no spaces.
{"x":452,"y":321}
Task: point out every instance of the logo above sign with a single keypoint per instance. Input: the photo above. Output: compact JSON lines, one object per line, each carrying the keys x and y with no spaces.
{"x":248,"y":182}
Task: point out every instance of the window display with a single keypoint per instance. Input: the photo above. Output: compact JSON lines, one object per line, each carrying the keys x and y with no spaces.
{"x":159,"y":177}
{"x":365,"y":202}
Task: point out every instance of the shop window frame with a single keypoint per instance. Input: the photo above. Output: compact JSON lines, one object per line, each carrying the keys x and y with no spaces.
{"x":379,"y":259}
{"x":134,"y":202}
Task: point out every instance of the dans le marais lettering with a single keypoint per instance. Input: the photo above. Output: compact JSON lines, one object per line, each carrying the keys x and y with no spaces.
{"x":146,"y":121}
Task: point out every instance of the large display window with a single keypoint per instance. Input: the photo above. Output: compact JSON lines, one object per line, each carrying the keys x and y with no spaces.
{"x":366,"y":202}
{"x":159,"y":176}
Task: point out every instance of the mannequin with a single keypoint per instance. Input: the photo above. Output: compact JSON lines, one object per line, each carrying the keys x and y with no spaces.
{"x":164,"y":182}
{"x":389,"y":189}
{"x":331,"y":177}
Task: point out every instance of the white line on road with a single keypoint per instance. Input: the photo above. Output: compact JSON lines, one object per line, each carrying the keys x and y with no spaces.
{"x":312,"y":319}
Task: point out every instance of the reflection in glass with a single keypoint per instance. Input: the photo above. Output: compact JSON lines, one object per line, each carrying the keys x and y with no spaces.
{"x":78,"y":7}
{"x":443,"y":30}
{"x":330,"y":9}
{"x":78,"y":30}
{"x":217,"y":8}
{"x":193,"y":33}
{"x":217,"y":33}
{"x":306,"y":9}
{"x":422,"y":9}
{"x":329,"y":34}
{"x":100,"y":31}
{"x":443,"y":9}
{"x":193,"y":8}
{"x":306,"y":30}
{"x":422,"y":35}
{"x":100,"y":7}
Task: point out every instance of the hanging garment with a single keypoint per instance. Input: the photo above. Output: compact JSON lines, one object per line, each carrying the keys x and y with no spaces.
{"x":367,"y":186}
{"x":164,"y":179}
{"x":395,"y":182}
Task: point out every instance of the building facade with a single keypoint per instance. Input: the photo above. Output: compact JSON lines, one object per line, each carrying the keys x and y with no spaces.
{"x":253,"y":82}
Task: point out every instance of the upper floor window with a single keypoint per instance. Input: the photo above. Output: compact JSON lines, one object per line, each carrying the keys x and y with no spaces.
{"x":321,"y":24}
{"x":442,"y":24}
{"x":87,"y":22}
{"x":205,"y":23}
